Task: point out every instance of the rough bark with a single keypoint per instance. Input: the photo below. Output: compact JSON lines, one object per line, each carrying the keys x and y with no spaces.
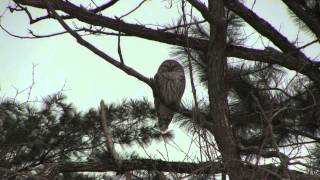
{"x":217,"y":90}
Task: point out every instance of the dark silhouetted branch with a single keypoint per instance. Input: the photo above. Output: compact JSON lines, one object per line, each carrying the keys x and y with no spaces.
{"x":301,"y":12}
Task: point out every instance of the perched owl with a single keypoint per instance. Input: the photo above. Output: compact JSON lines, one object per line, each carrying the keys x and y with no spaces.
{"x":170,"y":83}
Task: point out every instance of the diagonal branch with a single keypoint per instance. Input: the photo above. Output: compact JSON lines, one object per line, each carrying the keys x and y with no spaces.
{"x":263,"y":27}
{"x":121,"y":66}
{"x":107,"y":133}
{"x":104,"y":6}
{"x":98,"y":52}
{"x":290,"y":62}
{"x":304,"y":15}
{"x":202,"y":8}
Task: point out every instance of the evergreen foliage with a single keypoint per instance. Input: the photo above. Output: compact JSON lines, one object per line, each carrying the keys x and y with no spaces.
{"x":260,"y":96}
{"x":58,"y":132}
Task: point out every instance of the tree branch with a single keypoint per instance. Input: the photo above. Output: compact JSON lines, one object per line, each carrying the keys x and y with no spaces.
{"x":121,"y":66}
{"x":142,"y":164}
{"x":130,"y":29}
{"x":98,"y":52}
{"x":272,"y":56}
{"x":107,"y":133}
{"x":202,"y":9}
{"x":217,"y":91}
{"x":304,"y":15}
{"x":151,"y":165}
{"x":299,"y":64}
{"x":263,"y":27}
{"x":104,"y":6}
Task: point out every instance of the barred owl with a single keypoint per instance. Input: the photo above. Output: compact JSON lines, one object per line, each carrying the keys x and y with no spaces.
{"x":170,"y":83}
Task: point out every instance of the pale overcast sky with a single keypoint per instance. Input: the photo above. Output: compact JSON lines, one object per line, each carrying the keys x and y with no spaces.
{"x":60,"y":59}
{"x":88,"y":78}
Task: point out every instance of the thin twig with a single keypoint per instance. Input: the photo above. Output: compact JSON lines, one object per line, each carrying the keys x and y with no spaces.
{"x":32,"y":83}
{"x":119,"y":49}
{"x":97,"y":51}
{"x":134,"y":9}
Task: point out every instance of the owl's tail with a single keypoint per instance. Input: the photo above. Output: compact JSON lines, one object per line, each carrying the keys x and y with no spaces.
{"x":165,"y":116}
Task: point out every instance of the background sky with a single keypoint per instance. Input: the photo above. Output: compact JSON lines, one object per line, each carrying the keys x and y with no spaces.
{"x":86,"y":78}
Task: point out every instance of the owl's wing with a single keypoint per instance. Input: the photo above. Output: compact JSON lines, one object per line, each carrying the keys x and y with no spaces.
{"x":164,"y":114}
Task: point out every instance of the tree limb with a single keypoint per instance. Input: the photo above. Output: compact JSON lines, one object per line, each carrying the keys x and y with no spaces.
{"x":299,"y":64}
{"x":263,"y":27}
{"x":272,"y":56}
{"x":98,"y":52}
{"x":217,"y":91}
{"x":123,"y":67}
{"x":130,"y":29}
{"x":304,"y":15}
{"x":151,"y":165}
{"x":202,"y":9}
{"x":104,"y":6}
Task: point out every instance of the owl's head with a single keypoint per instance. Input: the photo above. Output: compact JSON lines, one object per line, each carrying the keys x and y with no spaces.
{"x":170,"y":66}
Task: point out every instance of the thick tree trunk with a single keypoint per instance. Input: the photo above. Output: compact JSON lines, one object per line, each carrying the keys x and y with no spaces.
{"x":218,"y":90}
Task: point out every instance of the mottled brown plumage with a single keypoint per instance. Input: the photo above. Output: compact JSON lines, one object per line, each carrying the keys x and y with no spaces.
{"x":170,"y":82}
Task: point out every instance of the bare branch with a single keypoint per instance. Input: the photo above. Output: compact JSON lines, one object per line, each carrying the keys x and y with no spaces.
{"x":134,"y":9}
{"x":104,"y":6}
{"x":119,"y":49}
{"x":100,"y":53}
{"x":202,"y":8}
{"x":118,"y":25}
{"x":33,"y":82}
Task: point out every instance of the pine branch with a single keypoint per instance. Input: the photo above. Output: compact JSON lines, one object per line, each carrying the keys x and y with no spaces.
{"x":177,"y":167}
{"x":305,"y":15}
{"x":262,"y":26}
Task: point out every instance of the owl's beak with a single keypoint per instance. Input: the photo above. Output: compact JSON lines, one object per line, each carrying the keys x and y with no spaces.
{"x":163,"y":128}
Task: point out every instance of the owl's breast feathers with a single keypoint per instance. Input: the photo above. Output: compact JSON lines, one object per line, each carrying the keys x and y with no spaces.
{"x":169,"y":87}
